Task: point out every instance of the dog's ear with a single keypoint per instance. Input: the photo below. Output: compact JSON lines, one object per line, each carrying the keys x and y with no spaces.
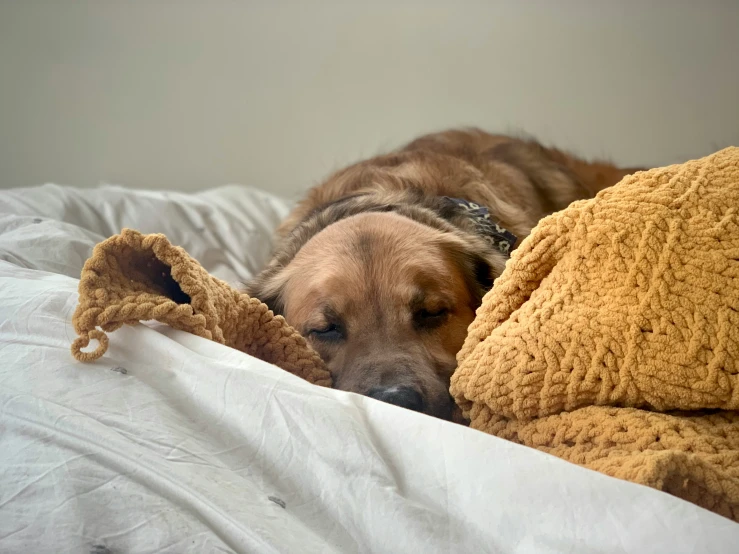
{"x":480,"y":264}
{"x":267,"y":287}
{"x":481,"y":272}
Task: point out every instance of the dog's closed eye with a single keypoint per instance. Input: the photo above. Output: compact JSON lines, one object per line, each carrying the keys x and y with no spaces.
{"x":329,"y":333}
{"x":431,"y":318}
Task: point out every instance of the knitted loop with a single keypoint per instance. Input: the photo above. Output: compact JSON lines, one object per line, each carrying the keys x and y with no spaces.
{"x":84,"y":340}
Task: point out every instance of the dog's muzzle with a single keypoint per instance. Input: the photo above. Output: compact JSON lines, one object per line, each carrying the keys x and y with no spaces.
{"x":405,"y":397}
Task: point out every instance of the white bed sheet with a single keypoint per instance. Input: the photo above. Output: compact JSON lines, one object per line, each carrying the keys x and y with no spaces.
{"x":172,"y":443}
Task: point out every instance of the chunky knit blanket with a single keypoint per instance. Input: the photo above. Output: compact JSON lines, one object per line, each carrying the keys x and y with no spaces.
{"x":133,"y":277}
{"x":612,"y":337}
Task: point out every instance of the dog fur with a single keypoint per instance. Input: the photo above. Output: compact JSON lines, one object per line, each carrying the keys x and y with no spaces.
{"x":383,"y":277}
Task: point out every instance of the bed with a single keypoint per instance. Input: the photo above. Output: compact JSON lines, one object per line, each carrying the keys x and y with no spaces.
{"x":173,"y":443}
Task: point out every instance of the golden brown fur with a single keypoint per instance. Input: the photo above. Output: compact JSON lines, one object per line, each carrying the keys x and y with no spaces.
{"x":383,"y":278}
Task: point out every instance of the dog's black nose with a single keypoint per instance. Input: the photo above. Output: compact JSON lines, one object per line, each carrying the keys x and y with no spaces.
{"x":405,"y":397}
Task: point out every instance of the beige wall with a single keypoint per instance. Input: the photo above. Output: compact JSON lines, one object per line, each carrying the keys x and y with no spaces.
{"x":187,"y":94}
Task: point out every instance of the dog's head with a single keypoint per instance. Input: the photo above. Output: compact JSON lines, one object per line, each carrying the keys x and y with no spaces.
{"x":384,"y":288}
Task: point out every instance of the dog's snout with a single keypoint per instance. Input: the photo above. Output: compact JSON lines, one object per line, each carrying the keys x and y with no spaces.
{"x":405,"y":397}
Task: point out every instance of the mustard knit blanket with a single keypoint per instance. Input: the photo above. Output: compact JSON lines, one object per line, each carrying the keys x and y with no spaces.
{"x":133,"y":277}
{"x":612,"y":337}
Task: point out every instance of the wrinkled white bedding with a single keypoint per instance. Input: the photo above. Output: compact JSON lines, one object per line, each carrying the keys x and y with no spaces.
{"x":172,"y":443}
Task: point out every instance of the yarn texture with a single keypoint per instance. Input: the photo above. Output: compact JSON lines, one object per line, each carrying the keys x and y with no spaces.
{"x":612,"y":337}
{"x":133,"y":277}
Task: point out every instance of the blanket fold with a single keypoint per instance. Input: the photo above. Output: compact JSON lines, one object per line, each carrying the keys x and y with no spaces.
{"x":612,"y":337}
{"x":133,"y":277}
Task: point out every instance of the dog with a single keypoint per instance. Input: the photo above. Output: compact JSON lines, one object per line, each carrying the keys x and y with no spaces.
{"x":383,"y":265}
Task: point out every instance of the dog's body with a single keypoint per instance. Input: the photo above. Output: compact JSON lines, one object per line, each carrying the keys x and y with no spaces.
{"x":382,"y":271}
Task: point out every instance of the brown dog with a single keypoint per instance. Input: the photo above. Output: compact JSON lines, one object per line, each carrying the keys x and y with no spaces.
{"x":383,"y":265}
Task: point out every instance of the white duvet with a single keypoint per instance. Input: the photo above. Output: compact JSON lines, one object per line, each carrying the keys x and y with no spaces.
{"x":171,"y":443}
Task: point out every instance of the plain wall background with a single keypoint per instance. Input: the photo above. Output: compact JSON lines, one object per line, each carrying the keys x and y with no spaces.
{"x":188,"y":95}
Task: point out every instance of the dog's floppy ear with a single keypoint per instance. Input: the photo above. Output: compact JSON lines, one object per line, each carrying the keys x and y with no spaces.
{"x":267,"y":287}
{"x":483,"y":273}
{"x":480,"y":264}
{"x":480,"y":272}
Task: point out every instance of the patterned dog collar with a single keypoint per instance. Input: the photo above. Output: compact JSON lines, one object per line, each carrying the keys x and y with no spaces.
{"x":499,"y":238}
